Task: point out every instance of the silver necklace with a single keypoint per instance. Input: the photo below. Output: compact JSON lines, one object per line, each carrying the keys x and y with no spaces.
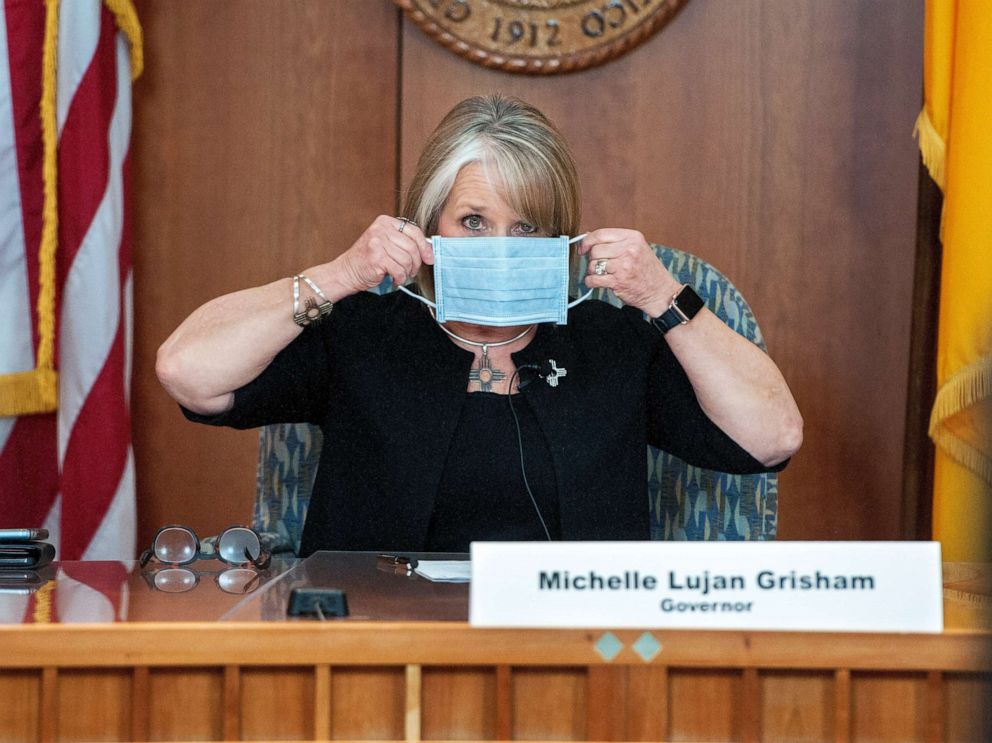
{"x":485,"y":374}
{"x":486,"y":346}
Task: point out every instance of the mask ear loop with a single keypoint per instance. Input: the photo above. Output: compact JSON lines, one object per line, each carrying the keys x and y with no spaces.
{"x":433,"y":306}
{"x":429,"y":303}
{"x":419,"y":298}
{"x":588,"y":293}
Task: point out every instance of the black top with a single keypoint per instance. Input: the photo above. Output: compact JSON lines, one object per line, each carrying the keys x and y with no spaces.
{"x":482,"y":495}
{"x":387,"y":387}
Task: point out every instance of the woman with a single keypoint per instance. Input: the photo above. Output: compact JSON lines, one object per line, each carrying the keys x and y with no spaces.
{"x":437,"y":435}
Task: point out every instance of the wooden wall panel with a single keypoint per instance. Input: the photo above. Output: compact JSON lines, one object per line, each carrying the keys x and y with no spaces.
{"x":600,"y":702}
{"x":368,"y":703}
{"x":706,"y":704}
{"x":772,"y":139}
{"x":796,"y":707}
{"x":277,"y":703}
{"x":888,"y":707}
{"x":185,"y":704}
{"x":264,"y":141}
{"x":967,"y":701}
{"x":549,"y":704}
{"x":20,"y":711}
{"x":107,"y":692}
{"x":458,"y":703}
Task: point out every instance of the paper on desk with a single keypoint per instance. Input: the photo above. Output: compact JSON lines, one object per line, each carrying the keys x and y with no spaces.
{"x":445,"y":571}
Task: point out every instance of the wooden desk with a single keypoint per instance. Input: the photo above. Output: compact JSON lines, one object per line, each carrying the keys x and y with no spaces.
{"x":146,"y":677}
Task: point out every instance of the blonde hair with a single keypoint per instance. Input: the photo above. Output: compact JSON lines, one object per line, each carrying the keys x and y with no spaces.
{"x":513,"y":141}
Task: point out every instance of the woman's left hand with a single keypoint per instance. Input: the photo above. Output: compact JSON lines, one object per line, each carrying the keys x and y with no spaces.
{"x":738,"y":386}
{"x":629,"y":268}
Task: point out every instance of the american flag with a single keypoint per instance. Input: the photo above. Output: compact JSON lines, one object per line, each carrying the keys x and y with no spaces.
{"x":65,"y":272}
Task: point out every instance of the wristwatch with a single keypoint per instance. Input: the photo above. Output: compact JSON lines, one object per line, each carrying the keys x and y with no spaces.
{"x":683,"y":308}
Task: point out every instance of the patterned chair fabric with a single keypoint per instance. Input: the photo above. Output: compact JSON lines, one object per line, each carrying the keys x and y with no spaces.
{"x":686,"y":502}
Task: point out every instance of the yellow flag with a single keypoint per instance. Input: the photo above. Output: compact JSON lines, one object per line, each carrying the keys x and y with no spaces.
{"x":955,"y":132}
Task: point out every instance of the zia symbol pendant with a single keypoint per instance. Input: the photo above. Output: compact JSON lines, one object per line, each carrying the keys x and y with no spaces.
{"x":485,"y":375}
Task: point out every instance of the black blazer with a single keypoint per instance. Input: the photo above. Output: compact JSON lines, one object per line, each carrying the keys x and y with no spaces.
{"x":386,"y":386}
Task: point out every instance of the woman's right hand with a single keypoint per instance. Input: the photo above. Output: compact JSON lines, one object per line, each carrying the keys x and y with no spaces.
{"x":384,"y":249}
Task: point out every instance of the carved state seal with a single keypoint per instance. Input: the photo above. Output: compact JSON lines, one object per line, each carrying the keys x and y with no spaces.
{"x":540,"y":37}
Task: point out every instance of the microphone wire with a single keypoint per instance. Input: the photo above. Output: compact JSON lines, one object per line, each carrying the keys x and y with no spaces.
{"x":520,"y":446}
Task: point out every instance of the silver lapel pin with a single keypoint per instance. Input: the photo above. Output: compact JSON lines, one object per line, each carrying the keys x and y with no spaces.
{"x":556,"y":374}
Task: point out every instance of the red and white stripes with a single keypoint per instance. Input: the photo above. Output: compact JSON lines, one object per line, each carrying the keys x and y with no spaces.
{"x":92,"y":514}
{"x":28,"y":457}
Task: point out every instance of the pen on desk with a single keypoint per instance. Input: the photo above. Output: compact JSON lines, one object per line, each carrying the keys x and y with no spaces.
{"x":395,"y":564}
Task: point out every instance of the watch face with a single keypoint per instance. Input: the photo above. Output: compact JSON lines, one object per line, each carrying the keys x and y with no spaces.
{"x":689,"y":302}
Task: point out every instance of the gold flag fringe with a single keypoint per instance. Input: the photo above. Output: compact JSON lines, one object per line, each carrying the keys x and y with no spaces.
{"x":43,"y":603}
{"x":932,"y":147}
{"x":36,"y":390}
{"x":965,"y":388}
{"x":127,"y":21}
{"x":26,"y":392}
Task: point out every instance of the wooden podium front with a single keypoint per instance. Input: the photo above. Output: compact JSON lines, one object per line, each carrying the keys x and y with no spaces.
{"x":98,"y":653}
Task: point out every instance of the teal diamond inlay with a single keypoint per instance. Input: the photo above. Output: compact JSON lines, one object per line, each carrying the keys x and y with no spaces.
{"x":608,"y":646}
{"x":647,"y":646}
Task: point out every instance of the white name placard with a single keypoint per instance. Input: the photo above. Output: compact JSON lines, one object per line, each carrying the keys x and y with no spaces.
{"x":825,"y":586}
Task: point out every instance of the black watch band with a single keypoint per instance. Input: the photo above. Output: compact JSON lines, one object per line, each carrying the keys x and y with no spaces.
{"x":685,"y":305}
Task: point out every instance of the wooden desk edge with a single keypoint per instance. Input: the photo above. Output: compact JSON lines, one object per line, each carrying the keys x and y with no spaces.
{"x":455,"y":643}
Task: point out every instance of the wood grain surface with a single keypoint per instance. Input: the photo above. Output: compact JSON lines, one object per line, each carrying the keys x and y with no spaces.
{"x":445,"y":680}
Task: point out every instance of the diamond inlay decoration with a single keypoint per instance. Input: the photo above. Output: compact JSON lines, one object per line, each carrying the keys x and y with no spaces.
{"x":647,"y":646}
{"x":608,"y":646}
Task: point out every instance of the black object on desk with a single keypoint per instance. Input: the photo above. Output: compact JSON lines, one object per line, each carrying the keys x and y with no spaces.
{"x":23,"y":581}
{"x":321,"y":602}
{"x":21,"y":549}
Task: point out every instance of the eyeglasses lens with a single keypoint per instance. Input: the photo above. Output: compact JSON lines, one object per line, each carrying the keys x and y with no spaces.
{"x":175,"y":580}
{"x":176,"y":545}
{"x":238,"y":580}
{"x":238,"y":546}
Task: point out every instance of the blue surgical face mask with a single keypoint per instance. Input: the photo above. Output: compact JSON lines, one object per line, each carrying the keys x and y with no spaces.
{"x":501,"y":280}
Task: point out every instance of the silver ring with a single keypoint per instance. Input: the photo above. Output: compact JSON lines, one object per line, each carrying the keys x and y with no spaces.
{"x":404,"y":222}
{"x":600,"y":267}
